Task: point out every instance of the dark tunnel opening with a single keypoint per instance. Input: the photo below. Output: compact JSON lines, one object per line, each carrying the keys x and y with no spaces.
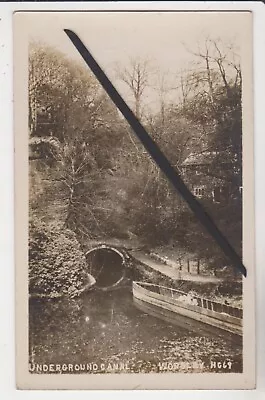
{"x":106,"y":265}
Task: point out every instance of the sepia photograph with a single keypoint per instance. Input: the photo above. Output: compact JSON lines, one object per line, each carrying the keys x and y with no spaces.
{"x":120,"y":277}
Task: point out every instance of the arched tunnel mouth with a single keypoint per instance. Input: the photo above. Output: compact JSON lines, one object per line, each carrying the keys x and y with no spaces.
{"x":106,"y":265}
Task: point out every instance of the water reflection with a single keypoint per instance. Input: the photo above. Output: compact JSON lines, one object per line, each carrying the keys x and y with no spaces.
{"x":106,"y":327}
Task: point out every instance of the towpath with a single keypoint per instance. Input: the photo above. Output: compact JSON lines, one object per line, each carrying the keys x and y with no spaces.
{"x":170,"y":271}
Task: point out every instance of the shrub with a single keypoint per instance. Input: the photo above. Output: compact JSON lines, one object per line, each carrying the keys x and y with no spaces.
{"x":57,"y":266}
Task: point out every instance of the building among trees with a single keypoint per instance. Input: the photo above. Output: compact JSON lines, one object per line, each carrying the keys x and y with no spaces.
{"x":208,"y":180}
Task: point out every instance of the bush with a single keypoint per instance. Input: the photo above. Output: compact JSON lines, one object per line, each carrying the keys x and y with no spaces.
{"x":57,"y":266}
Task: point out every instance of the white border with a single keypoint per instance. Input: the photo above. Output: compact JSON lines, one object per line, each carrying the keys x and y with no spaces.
{"x":7,"y":375}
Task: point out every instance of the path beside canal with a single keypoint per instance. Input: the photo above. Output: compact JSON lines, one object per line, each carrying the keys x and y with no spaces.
{"x":171,"y":271}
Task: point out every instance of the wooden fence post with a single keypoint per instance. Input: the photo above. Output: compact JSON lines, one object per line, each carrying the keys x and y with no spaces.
{"x":198,"y":267}
{"x":180,"y":265}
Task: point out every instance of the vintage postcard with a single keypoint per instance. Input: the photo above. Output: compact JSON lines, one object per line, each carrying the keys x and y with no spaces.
{"x":118,"y":283}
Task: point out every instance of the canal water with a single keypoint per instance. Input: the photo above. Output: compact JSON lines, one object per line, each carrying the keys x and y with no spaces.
{"x":105,"y":328}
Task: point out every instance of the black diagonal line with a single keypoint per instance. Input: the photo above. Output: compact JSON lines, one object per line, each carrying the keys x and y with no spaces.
{"x":157,"y":154}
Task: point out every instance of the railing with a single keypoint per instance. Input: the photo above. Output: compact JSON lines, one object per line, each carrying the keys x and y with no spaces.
{"x":187,"y":298}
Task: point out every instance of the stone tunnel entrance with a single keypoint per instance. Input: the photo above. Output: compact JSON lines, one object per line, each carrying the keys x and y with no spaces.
{"x":107,"y":265}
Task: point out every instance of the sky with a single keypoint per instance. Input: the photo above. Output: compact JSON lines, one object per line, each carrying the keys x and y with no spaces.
{"x":115,"y":37}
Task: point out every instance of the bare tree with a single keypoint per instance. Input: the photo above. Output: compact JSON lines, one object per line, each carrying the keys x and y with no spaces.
{"x":136,"y":76}
{"x":217,"y":65}
{"x":164,"y":88}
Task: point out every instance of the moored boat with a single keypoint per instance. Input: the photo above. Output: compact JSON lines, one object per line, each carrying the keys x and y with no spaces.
{"x":188,"y":310}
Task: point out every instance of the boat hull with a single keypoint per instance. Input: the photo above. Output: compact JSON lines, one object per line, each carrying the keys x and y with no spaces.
{"x":187,"y":316}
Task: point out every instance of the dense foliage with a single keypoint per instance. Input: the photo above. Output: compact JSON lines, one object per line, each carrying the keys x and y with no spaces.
{"x":57,"y":265}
